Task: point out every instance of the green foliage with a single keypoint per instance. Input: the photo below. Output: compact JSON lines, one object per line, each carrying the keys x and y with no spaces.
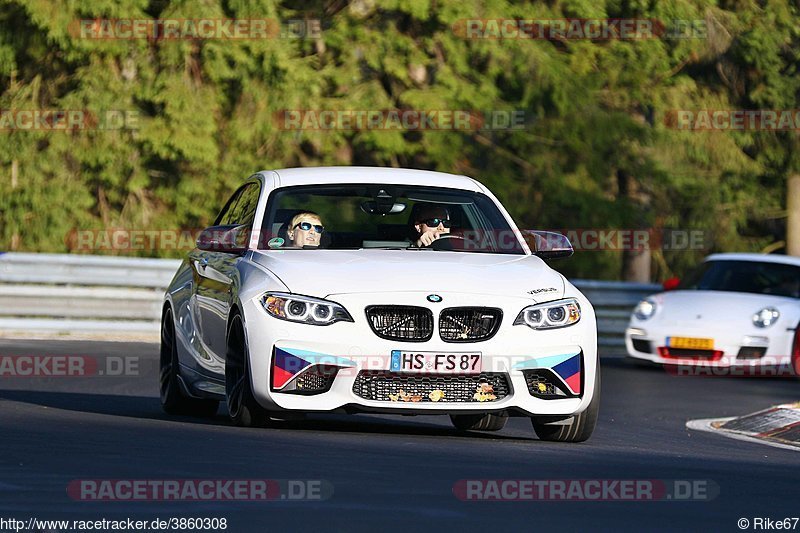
{"x":596,"y":151}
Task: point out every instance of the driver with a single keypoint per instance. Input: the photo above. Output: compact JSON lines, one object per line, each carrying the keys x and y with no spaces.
{"x":430,"y":223}
{"x":305,"y":229}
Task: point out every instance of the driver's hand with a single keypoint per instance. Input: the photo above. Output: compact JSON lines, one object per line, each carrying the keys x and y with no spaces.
{"x":428,"y":237}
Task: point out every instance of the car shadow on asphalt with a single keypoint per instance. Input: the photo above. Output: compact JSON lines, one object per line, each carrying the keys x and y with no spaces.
{"x":143,"y":407}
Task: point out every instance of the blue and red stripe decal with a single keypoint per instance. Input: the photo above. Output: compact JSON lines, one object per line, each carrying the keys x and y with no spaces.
{"x":288,"y":362}
{"x":570,"y":372}
{"x":567,"y":366}
{"x":285,"y":366}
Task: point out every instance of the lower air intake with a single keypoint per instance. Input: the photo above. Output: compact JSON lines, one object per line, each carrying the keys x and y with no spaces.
{"x":385,"y":386}
{"x":313,"y":381}
{"x":543,"y":384}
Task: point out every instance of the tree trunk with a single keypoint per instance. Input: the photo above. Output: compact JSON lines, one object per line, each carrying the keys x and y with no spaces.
{"x":635,"y":262}
{"x":793,"y":215}
{"x":14,"y":245}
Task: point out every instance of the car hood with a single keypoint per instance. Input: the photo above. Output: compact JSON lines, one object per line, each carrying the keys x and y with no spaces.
{"x":326,"y":272}
{"x":680,"y":306}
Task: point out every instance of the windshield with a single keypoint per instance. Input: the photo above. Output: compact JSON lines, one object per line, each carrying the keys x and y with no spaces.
{"x":338,"y":217}
{"x":756,"y":277}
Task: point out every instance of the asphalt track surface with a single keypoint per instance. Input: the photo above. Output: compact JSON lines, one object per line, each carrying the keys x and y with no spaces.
{"x":388,"y":473}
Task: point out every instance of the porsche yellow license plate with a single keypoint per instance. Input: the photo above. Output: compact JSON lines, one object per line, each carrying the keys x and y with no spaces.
{"x":691,"y":343}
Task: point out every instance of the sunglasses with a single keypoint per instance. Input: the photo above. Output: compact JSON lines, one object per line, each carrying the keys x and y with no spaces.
{"x":434,"y":222}
{"x":305,"y":226}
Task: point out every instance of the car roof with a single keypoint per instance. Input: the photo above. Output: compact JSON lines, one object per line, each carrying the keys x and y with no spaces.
{"x":390,"y":176}
{"x":766,"y":258}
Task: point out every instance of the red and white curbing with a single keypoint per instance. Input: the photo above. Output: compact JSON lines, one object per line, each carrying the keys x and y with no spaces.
{"x":777,"y":426}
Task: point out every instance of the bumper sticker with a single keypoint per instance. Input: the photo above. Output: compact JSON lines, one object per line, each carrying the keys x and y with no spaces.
{"x":570,"y":372}
{"x":285,"y":366}
{"x":289,"y":362}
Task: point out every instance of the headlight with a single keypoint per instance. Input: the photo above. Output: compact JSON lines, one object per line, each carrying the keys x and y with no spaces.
{"x":304,"y":309}
{"x":766,"y":317}
{"x":550,"y":315}
{"x":645,"y":309}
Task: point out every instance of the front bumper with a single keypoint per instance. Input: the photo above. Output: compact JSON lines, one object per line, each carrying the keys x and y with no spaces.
{"x":513,"y":353}
{"x":737,"y":347}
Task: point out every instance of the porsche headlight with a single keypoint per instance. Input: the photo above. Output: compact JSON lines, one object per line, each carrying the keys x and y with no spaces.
{"x":766,"y":317}
{"x":304,"y":309}
{"x":645,"y":309}
{"x":550,"y":315}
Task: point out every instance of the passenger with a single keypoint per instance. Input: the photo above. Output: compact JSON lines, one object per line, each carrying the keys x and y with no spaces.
{"x":305,"y":229}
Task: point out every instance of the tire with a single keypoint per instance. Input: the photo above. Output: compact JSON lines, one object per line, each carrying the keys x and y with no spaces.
{"x":576,"y":428}
{"x":486,"y":422}
{"x":796,"y":353}
{"x":173,"y":400}
{"x":243,"y":408}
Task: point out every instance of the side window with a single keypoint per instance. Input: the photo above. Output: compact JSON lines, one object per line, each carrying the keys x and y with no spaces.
{"x":245,"y":210}
{"x":241,"y":208}
{"x":225,"y":215}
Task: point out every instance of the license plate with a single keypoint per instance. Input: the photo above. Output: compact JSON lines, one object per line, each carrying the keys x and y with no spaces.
{"x":436,"y":362}
{"x":691,"y":343}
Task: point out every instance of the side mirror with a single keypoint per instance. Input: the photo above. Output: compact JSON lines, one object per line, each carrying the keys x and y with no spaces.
{"x":227,"y":239}
{"x":671,"y":284}
{"x":548,"y":244}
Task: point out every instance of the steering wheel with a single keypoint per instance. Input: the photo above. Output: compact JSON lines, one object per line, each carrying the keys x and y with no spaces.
{"x":445,"y":242}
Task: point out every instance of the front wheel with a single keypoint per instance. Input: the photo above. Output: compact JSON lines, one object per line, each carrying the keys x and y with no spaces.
{"x":577,"y":428}
{"x":243,"y":408}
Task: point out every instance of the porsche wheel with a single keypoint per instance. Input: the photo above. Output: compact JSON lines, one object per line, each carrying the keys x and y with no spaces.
{"x":173,"y":399}
{"x":796,"y":353}
{"x":243,"y":408}
{"x":487,"y":422}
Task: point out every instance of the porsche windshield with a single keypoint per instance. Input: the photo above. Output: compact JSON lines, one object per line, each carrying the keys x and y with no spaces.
{"x":757,"y":277}
{"x":337,"y":217}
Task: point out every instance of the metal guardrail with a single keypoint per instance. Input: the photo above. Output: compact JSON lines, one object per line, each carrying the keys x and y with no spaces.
{"x":57,"y":293}
{"x":613,"y":303}
{"x":87,"y":270}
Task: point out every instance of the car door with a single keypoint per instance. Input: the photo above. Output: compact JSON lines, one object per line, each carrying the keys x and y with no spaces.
{"x":215,"y":272}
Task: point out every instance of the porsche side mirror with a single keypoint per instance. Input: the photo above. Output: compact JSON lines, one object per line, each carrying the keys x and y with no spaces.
{"x":548,"y":244}
{"x":226,"y":239}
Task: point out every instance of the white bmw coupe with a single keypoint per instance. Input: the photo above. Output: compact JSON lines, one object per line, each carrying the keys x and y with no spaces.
{"x":378,"y":290}
{"x":735,"y":311}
